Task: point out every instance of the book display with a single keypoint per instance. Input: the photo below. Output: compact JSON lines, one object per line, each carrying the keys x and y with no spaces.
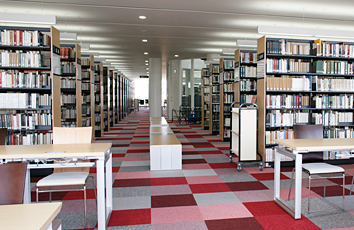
{"x":205,"y":98}
{"x":104,"y":99}
{"x":87,"y":87}
{"x":214,"y":109}
{"x":227,"y":94}
{"x":98,"y":77}
{"x":70,"y":84}
{"x":303,"y":82}
{"x":29,"y":72}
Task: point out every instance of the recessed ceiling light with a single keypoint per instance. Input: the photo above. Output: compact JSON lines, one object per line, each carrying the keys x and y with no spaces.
{"x":147,"y":68}
{"x":144,"y":40}
{"x":146,"y":64}
{"x":176,"y":55}
{"x":146,"y":60}
{"x":146,"y":53}
{"x":142,"y":17}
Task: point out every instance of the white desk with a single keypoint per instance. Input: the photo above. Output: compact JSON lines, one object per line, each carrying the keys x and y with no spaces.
{"x":298,"y":146}
{"x":158,"y":123}
{"x":28,"y":216}
{"x":163,"y":130}
{"x":165,"y":152}
{"x":100,"y":152}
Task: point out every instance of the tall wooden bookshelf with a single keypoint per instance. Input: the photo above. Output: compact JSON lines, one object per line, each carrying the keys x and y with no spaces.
{"x":87,"y":87}
{"x":303,"y":82}
{"x":214,"y":97}
{"x":115,"y":97}
{"x":98,"y":77}
{"x":226,"y":96}
{"x":110,"y":98}
{"x":29,"y":92}
{"x":71,"y":85}
{"x":104,"y":99}
{"x":205,"y":98}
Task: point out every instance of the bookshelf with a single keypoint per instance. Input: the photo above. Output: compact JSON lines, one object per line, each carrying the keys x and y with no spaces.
{"x":214,"y":98}
{"x":115,"y":97}
{"x":110,"y":83}
{"x":29,"y":72}
{"x":227,"y":96}
{"x":98,"y":77}
{"x":70,"y":84}
{"x":303,"y":82}
{"x":87,"y":92}
{"x":246,"y":76}
{"x":104,"y":99}
{"x":205,"y":98}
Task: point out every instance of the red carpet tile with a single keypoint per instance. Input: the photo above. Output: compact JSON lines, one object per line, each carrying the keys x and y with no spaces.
{"x":285,"y":221}
{"x":330,"y":190}
{"x":79,"y":195}
{"x":265,"y":208}
{"x":244,"y":186}
{"x":268,"y":176}
{"x":172,"y":201}
{"x":209,"y":188}
{"x":130,"y":217}
{"x":45,"y":196}
{"x":168,"y":181}
{"x":239,"y":223}
{"x":210,"y":152}
{"x":193,"y":161}
{"x":132,"y":182}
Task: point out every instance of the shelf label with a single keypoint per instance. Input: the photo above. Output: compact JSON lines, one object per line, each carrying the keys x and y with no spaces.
{"x":260,"y":57}
{"x":237,"y":74}
{"x":78,"y":71}
{"x":237,"y":64}
{"x":260,"y":68}
{"x":78,"y":60}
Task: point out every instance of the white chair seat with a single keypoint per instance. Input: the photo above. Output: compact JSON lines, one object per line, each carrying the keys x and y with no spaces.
{"x":63,"y":179}
{"x":322,"y":168}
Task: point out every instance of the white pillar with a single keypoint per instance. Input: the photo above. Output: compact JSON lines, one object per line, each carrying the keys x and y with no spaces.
{"x":155,"y":89}
{"x":192,"y":83}
{"x":174,"y":87}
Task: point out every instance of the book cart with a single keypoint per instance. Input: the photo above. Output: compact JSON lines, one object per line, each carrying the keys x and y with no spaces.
{"x":244,"y":134}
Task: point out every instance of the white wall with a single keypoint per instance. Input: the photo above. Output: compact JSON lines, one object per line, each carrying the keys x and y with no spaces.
{"x":141,"y":88}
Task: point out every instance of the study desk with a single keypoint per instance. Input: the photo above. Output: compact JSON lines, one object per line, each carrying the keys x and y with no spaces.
{"x":28,"y":216}
{"x":100,"y":152}
{"x":158,"y":122}
{"x":165,"y":130}
{"x":296,"y":146}
{"x":165,"y":152}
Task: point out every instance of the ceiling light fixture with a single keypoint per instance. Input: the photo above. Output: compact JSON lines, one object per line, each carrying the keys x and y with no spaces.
{"x":147,"y":68}
{"x":85,"y":46}
{"x":146,"y":60}
{"x":28,"y":18}
{"x":142,"y":17}
{"x":146,"y":53}
{"x":246,"y":43}
{"x":176,"y":55}
{"x":292,"y":31}
{"x":67,"y":36}
{"x":144,"y":40}
{"x":146,"y":64}
{"x":228,"y":51}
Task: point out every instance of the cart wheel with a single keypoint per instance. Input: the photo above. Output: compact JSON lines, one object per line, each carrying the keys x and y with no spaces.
{"x":261,"y":166}
{"x":230,"y":158}
{"x":239,"y":167}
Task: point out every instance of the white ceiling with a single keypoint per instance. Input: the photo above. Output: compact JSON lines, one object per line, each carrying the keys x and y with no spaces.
{"x":189,"y":28}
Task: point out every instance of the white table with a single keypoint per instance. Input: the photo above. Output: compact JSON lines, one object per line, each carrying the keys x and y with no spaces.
{"x":165,"y":152}
{"x":100,"y":152}
{"x":28,"y":216}
{"x":297,"y":146}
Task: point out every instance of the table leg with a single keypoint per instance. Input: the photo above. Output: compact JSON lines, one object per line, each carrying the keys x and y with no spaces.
{"x":298,"y":184}
{"x":276,"y":174}
{"x":109,"y":182}
{"x":27,"y":193}
{"x":101,"y":204}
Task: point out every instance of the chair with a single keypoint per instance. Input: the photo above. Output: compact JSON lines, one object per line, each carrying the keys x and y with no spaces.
{"x":12,"y":183}
{"x":67,"y":176}
{"x":313,"y":161}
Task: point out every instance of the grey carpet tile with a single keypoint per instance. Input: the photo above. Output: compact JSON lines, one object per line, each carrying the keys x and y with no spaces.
{"x":135,"y":169}
{"x":139,"y":145}
{"x":216,"y":198}
{"x":197,"y":156}
{"x":77,"y":220}
{"x":199,"y":172}
{"x":283,"y":184}
{"x":135,"y":163}
{"x":217,"y":160}
{"x":137,"y":155}
{"x":142,"y":191}
{"x":136,"y":202}
{"x":166,"y":173}
{"x":119,"y":149}
{"x":237,"y":178}
{"x":207,"y":149}
{"x":196,"y":140}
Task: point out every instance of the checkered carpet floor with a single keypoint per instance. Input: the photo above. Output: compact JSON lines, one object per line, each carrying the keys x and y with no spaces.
{"x":208,"y":193}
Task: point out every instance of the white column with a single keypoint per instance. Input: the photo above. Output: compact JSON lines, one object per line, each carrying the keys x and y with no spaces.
{"x":174,"y":86}
{"x":155,"y":67}
{"x":192,"y":83}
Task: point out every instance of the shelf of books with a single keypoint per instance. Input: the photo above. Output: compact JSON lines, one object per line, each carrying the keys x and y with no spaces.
{"x":246,"y":76}
{"x":98,"y":76}
{"x":115,"y":97}
{"x":124,"y":96}
{"x":70,"y":84}
{"x":205,"y":98}
{"x":110,"y":98}
{"x":87,"y":89}
{"x":304,"y":82}
{"x":214,"y":98}
{"x":227,"y":96}
{"x":29,"y":72}
{"x":104,"y":99}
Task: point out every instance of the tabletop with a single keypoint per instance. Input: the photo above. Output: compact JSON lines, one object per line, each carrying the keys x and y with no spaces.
{"x":318,"y":144}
